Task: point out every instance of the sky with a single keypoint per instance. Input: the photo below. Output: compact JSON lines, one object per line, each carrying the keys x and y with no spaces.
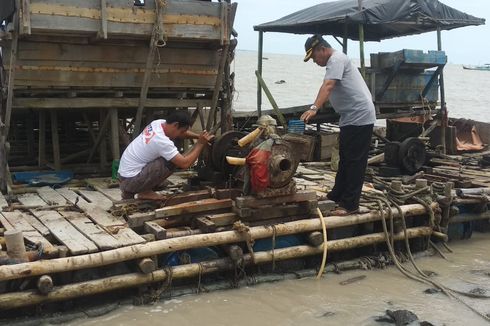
{"x":468,"y":45}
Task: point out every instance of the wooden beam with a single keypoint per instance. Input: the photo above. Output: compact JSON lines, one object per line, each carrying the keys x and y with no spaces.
{"x":100,"y":136}
{"x":103,"y":19}
{"x":199,"y":206}
{"x":217,"y":88}
{"x":116,"y":154}
{"x":159,"y":232}
{"x":41,"y":160}
{"x":97,"y":103}
{"x":26,"y":17}
{"x":55,"y":140}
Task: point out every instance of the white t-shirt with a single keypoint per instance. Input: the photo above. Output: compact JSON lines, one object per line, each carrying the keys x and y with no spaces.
{"x":151,"y":144}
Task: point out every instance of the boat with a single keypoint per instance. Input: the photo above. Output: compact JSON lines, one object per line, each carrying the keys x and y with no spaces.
{"x":485,"y":67}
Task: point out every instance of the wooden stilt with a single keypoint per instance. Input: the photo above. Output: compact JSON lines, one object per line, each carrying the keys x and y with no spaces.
{"x":41,"y":161}
{"x":55,"y":140}
{"x":101,"y":139}
{"x":115,"y":134}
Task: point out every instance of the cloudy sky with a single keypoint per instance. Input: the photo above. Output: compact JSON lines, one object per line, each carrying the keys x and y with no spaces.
{"x":465,"y":45}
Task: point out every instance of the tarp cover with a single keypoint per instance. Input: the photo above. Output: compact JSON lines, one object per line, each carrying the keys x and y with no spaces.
{"x":382,"y":19}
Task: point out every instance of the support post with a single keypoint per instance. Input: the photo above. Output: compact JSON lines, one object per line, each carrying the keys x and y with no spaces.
{"x":280,"y":116}
{"x":55,"y":140}
{"x":115,"y":134}
{"x":345,"y":40}
{"x":361,"y":45}
{"x":41,"y":158}
{"x":101,"y":141}
{"x":259,"y":69}
{"x":443,"y":96}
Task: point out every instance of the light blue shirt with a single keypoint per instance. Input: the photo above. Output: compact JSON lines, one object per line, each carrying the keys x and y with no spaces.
{"x":350,"y":97}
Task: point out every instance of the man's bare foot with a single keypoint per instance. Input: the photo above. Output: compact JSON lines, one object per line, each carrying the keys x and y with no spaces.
{"x":151,"y":195}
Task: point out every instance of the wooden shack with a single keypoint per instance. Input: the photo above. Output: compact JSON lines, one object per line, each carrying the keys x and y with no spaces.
{"x":83,"y":76}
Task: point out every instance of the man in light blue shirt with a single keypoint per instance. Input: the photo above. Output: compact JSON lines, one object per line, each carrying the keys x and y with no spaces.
{"x":346,"y":90}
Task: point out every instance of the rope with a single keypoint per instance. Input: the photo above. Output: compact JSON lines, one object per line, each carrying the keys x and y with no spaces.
{"x":324,"y":257}
{"x":395,"y":197}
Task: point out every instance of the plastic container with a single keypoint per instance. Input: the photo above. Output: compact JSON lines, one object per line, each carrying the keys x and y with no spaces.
{"x":296,"y":126}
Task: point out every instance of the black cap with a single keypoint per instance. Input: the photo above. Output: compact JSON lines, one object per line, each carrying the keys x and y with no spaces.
{"x":313,"y":42}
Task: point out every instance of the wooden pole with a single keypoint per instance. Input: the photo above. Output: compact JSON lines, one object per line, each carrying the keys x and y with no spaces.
{"x":41,"y":161}
{"x":443,"y":96}
{"x":100,"y":136}
{"x":346,"y":39}
{"x":217,"y":87}
{"x":102,"y":144}
{"x":10,"y":272}
{"x":14,"y":241}
{"x":280,"y":116}
{"x":55,"y":140}
{"x":71,"y":291}
{"x":116,"y":154}
{"x":259,"y":69}
{"x":361,"y":45}
{"x":45,"y":284}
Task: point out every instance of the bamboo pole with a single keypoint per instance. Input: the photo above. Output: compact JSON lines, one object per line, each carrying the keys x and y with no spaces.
{"x":361,"y":44}
{"x":10,"y":272}
{"x":259,"y":69}
{"x":443,"y":96}
{"x":71,"y":291}
{"x":275,"y":107}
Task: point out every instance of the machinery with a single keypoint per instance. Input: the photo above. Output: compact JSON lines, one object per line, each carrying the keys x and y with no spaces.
{"x":260,"y":155}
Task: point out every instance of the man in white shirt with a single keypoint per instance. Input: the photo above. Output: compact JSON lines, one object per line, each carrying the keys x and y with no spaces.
{"x":152,"y":156}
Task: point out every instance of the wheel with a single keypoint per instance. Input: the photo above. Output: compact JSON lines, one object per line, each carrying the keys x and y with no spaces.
{"x":412,"y":154}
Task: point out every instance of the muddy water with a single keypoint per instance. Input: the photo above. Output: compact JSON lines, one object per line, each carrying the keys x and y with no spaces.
{"x":326,"y":302}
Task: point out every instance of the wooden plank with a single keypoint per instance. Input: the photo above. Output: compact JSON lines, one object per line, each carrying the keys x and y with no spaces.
{"x":114,"y":194}
{"x":253,"y":202}
{"x":102,"y":239}
{"x":72,"y":196}
{"x":193,"y":207}
{"x":159,"y":232}
{"x":64,"y":232}
{"x":31,"y":199}
{"x":97,"y":198}
{"x":18,"y":221}
{"x":50,"y":196}
{"x":205,"y":225}
{"x":223,"y":219}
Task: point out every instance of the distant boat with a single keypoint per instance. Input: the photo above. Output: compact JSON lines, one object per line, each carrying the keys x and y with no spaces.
{"x":486,"y":66}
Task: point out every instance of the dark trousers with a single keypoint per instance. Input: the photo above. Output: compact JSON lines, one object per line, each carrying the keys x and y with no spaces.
{"x":152,"y":175}
{"x":354,"y":144}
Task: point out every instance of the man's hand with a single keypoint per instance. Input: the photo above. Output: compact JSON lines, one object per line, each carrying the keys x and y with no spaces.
{"x":205,"y":138}
{"x":306,"y":116}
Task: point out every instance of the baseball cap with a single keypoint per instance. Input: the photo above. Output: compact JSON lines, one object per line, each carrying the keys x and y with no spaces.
{"x":311,"y":43}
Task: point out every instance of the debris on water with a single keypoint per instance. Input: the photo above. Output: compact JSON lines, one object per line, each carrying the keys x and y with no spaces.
{"x":478,"y":291}
{"x":430,"y":273}
{"x":480,"y":272}
{"x":327,"y":314}
{"x":432,"y":291}
{"x":401,"y":318}
{"x":282,"y":81}
{"x":353,"y":280}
